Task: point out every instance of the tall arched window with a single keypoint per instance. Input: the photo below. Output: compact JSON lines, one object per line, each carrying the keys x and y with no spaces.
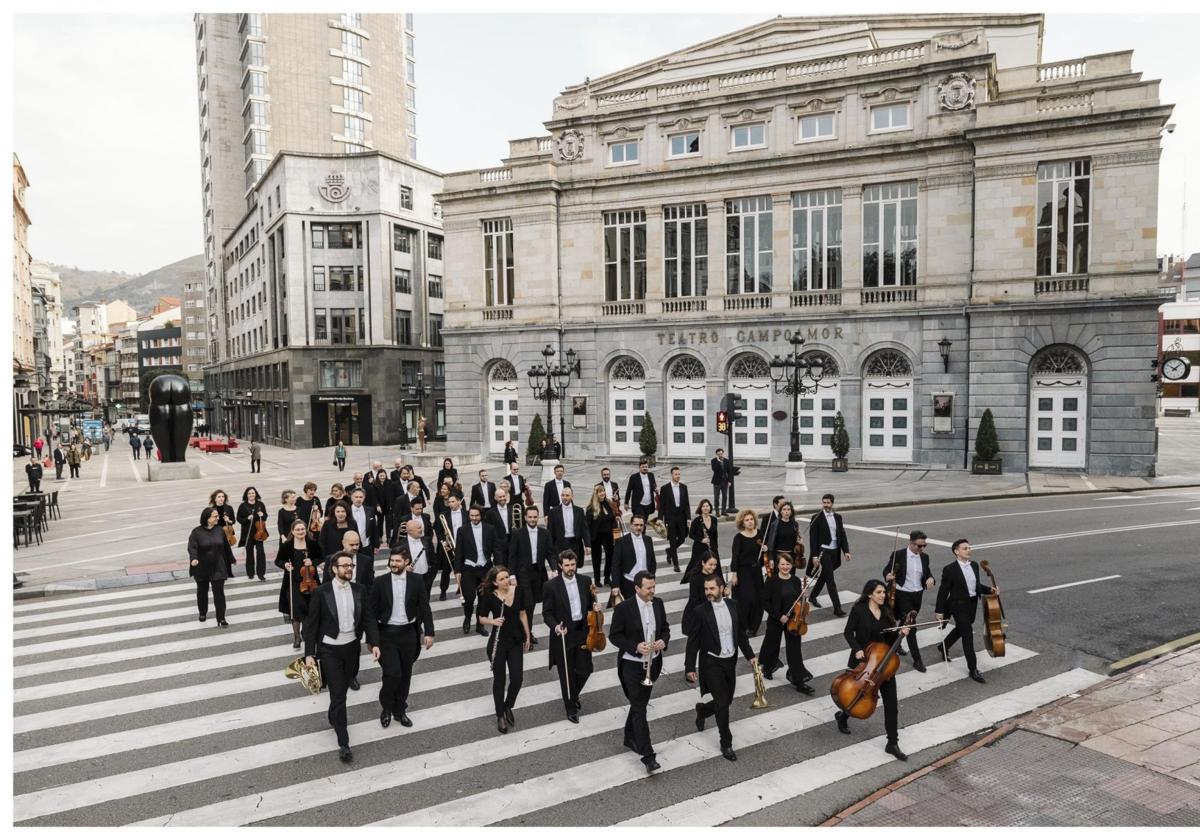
{"x":819,"y":411}
{"x":750,"y":376}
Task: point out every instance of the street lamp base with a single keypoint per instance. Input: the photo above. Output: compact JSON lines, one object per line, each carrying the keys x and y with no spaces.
{"x":548,"y":465}
{"x":795,"y":480}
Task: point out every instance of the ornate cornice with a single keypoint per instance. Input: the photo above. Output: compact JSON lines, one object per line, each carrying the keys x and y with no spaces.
{"x":1005,"y":170}
{"x":747,"y":114}
{"x":1132,"y":158}
{"x":816,"y":105}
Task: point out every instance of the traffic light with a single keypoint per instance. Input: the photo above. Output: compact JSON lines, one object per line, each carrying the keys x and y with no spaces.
{"x":731,"y":404}
{"x":722,"y":422}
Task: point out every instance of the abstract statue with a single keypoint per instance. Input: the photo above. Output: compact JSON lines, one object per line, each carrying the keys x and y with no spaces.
{"x":171,"y":416}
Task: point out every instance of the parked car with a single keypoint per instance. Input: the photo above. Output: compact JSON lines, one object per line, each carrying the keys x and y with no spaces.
{"x":20,"y":450}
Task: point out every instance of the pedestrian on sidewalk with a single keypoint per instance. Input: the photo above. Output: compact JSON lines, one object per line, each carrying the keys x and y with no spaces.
{"x":73,"y":460}
{"x":255,"y":456}
{"x":37,"y":446}
{"x":59,"y":460}
{"x":720,"y":482}
{"x":827,"y":540}
{"x":148,"y":445}
{"x":250,"y":512}
{"x":136,"y":445}
{"x":422,"y":426}
{"x":209,"y":557}
{"x":339,"y":456}
{"x":87,"y":449}
{"x":107,"y":438}
{"x":34,"y":470}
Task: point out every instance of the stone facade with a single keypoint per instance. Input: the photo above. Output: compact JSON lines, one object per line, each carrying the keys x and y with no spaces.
{"x":948,"y":135}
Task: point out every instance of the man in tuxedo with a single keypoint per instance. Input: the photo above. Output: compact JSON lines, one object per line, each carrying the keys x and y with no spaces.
{"x":397,"y":473}
{"x":368,"y":530}
{"x":401,"y":507}
{"x":518,"y":484}
{"x":718,"y":633}
{"x":483,"y":494}
{"x":499,"y":516}
{"x":529,"y":555}
{"x":640,"y":633}
{"x":455,"y":517}
{"x":566,"y":603}
{"x":675,"y":510}
{"x":416,"y":538}
{"x":552,"y":492}
{"x":357,"y":484}
{"x":416,"y":511}
{"x":337,"y":616}
{"x":639,"y":490}
{"x":399,"y":604}
{"x":958,"y":598}
{"x":568,"y":527}
{"x":632,"y":554}
{"x":611,"y":489}
{"x":721,"y":476}
{"x":827,"y":538}
{"x":474,"y":547}
{"x":909,"y":567}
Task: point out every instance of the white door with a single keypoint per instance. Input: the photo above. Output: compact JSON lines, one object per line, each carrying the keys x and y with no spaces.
{"x":502,"y":417}
{"x":887,"y":420}
{"x":752,"y":430}
{"x":1057,"y":426}
{"x":627,"y":408}
{"x":686,"y":419}
{"x":817,"y":415}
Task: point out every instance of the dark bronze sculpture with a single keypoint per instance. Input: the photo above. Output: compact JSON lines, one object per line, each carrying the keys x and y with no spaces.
{"x":171,"y":416}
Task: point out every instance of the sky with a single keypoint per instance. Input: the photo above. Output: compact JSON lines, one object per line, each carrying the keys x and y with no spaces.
{"x":105,"y":119}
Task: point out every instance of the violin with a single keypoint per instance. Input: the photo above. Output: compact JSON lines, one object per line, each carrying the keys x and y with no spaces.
{"x":596,"y":640}
{"x":308,"y":580}
{"x":856,"y":692}
{"x":993,"y":617}
{"x":618,"y":529}
{"x":797,"y":623}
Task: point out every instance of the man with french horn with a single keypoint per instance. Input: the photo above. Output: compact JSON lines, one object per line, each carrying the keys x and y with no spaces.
{"x":640,"y":632}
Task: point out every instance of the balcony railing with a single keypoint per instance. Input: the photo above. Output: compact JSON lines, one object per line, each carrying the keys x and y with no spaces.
{"x":814,"y":300}
{"x":906,"y":294}
{"x":498,"y":313}
{"x":624,"y":307}
{"x":1059,"y":285}
{"x":741,"y":302}
{"x":673,"y":305}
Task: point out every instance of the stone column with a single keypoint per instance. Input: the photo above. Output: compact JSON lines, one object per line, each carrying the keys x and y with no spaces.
{"x":781,"y":247}
{"x":655,"y":280}
{"x":716,"y":253}
{"x":852,"y":232}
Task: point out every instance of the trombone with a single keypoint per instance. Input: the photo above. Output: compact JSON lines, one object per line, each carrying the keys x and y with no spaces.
{"x":518,"y":516}
{"x":448,"y":546}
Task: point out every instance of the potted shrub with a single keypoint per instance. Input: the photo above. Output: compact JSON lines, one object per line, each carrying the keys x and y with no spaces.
{"x":533,"y":449}
{"x":648,"y":440}
{"x":987,"y":447}
{"x":840,"y":444}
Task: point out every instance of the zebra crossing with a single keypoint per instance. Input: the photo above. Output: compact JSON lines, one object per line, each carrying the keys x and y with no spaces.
{"x":127,"y":712}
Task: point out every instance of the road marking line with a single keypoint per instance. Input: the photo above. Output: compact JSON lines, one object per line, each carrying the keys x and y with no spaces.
{"x":1088,"y":482}
{"x":721,"y":805}
{"x":133,"y":465}
{"x":886,"y":533}
{"x":91,"y":533}
{"x":104,"y":472}
{"x":208,"y":460}
{"x":1122,"y":664}
{"x":926,"y":522}
{"x":1069,"y":585}
{"x":1074,"y":534}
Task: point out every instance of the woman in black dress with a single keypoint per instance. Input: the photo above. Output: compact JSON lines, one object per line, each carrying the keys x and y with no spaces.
{"x":745,"y":571}
{"x":384,"y":493}
{"x":868,"y":619}
{"x":510,"y":452}
{"x":286,"y":515}
{"x":217,"y":499}
{"x":500,"y":607}
{"x":780,"y":593}
{"x":600,"y":522}
{"x":785,"y":534}
{"x":296,"y":554}
{"x":209,"y":557}
{"x":447,"y":470}
{"x":710,"y":565}
{"x":250,"y":512}
{"x":332,"y":531}
{"x":704,"y":537}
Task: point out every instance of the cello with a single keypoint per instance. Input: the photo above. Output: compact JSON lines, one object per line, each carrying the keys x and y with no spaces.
{"x":596,"y":640}
{"x":993,"y":617}
{"x":856,"y":692}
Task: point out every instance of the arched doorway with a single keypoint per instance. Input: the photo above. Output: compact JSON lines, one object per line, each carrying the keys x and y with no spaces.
{"x":1058,"y":415}
{"x":750,"y":376}
{"x":888,"y":407}
{"x":819,"y":411}
{"x":686,"y":404}
{"x":626,"y":405}
{"x":503,"y":418}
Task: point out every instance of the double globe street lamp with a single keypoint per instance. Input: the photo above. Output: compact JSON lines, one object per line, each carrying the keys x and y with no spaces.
{"x":549,"y":382}
{"x":796,"y":376}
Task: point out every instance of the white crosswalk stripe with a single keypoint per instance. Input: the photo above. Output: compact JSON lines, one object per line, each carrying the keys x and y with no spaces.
{"x":125,"y":708}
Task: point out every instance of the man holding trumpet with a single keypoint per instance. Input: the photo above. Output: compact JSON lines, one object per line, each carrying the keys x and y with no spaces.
{"x":640,"y":632}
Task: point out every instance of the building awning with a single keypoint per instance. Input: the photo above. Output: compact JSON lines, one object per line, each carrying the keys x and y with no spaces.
{"x":199,"y":406}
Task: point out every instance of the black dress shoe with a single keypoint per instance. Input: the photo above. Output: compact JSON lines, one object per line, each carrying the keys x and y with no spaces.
{"x":699,"y":718}
{"x":573,"y":716}
{"x":262,"y":578}
{"x":385,"y":719}
{"x":840,"y":613}
{"x":814,"y":602}
{"x":223,"y":623}
{"x":502,"y":724}
{"x":901,"y":652}
{"x":894,"y":749}
{"x":728,"y":753}
{"x":354,"y":685}
{"x":945,"y":656}
{"x":805,"y":688}
{"x":978,"y":677}
{"x":533,"y":641}
{"x":466,"y":626}
{"x":578,"y":706}
{"x":479,"y":630}
{"x":675,"y":566}
{"x":768,"y":675}
{"x":204,"y":618}
{"x":651,"y":765}
{"x":508,"y":716}
{"x":345,"y":755}
{"x":442,"y":597}
{"x":404,"y":719}
{"x":918,"y":665}
{"x":843,"y":723}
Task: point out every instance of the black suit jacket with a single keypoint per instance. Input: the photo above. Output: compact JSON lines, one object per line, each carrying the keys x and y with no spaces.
{"x":416,"y":602}
{"x":498,"y":517}
{"x":612,"y":489}
{"x":720,"y":470}
{"x":626,"y":631}
{"x":818,"y":535}
{"x":624,"y":558}
{"x":953,"y":597}
{"x":675,"y":516}
{"x":518,"y":484}
{"x":522,"y":560}
{"x":707,"y":638}
{"x":899,"y":562}
{"x":633,"y":488}
{"x":477,"y":494}
{"x":550,"y":497}
{"x":322,"y":618}
{"x":465,"y":548}
{"x":556,"y":607}
{"x":408,"y":517}
{"x":372,"y":532}
{"x":558,"y":528}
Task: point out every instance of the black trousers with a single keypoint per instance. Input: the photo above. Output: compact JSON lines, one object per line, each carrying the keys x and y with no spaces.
{"x":891,"y":710}
{"x":963,"y":629}
{"x":749,"y":596}
{"x":255,"y":552}
{"x":218,"y":591}
{"x":640,"y":509}
{"x":768,"y":653}
{"x":137,"y":453}
{"x":825,"y":580}
{"x":447,"y":568}
{"x":719,"y":676}
{"x":339,"y":664}
{"x":577,"y":664}
{"x":676,"y":533}
{"x":74,"y":470}
{"x":35,"y":485}
{"x":471,"y":578}
{"x":508,"y":661}
{"x":533,"y":586}
{"x":364,"y":567}
{"x":906,"y":601}
{"x":57,"y":470}
{"x":399,"y":648}
{"x":637,"y":728}
{"x":602,"y":542}
{"x":720,"y":498}
{"x":341,"y":464}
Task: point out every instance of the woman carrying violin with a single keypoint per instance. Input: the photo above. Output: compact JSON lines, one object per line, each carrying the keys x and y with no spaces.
{"x":251,"y":513}
{"x":703,"y":532}
{"x":567,"y":602}
{"x":869,"y":619}
{"x":298,"y":557}
{"x":601,"y":522}
{"x":783,"y":596}
{"x":226,"y":520}
{"x":745,"y":570}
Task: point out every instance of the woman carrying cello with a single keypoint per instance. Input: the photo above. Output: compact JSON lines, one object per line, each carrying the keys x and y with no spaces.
{"x":784,"y":595}
{"x":869,"y":627}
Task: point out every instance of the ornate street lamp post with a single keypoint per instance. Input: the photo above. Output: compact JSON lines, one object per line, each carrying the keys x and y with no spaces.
{"x":796,"y":377}
{"x":550,"y":382}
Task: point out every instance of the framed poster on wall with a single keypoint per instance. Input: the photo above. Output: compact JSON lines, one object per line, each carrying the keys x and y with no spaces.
{"x":943,"y":412}
{"x":579,"y":412}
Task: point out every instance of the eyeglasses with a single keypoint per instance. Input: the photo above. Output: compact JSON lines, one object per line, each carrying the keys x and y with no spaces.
{"x":344,"y":566}
{"x":921,"y":545}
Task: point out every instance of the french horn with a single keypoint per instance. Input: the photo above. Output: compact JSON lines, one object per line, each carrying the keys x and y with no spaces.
{"x":309,"y":676}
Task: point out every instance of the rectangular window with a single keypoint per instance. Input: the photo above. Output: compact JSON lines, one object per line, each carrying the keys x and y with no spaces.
{"x":1064,"y":216}
{"x":412,"y":148}
{"x":352,"y":19}
{"x":318,"y":236}
{"x":352,"y":72}
{"x":892,"y":117}
{"x":816,"y":240}
{"x":623,"y":152}
{"x":257,"y":83}
{"x":402,"y":280}
{"x":685,"y":145}
{"x":258,"y":142}
{"x":253,"y":25}
{"x":352,"y":99}
{"x":749,"y":136}
{"x":402,"y":239}
{"x":345,"y":278}
{"x":625,"y":255}
{"x":335,"y":235}
{"x":409,"y":372}
{"x":351,"y":44}
{"x":410,"y":46}
{"x":342,"y":374}
{"x":410,"y":72}
{"x":355,"y":127}
{"x":499,"y":273}
{"x":408,"y":21}
{"x":256,"y":114}
{"x":890,"y":234}
{"x":402,"y":321}
{"x":255,"y":54}
{"x":435,"y":330}
{"x":685,"y":253}
{"x":434,"y":250}
{"x":320,"y":328}
{"x":406,"y":198}
{"x":344,"y":326}
{"x":816,"y":127}
{"x":439,"y":374}
{"x":318,"y":278}
{"x":435,"y":286}
{"x":748,"y":257}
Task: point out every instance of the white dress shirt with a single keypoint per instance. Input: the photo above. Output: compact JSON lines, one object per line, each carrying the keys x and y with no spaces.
{"x":647,"y":496}
{"x":360,"y":517}
{"x":505,"y":517}
{"x":832,"y":523}
{"x":399,"y":592}
{"x":675,"y":493}
{"x":477,"y":535}
{"x":483,"y":492}
{"x":343,"y":597}
{"x":969,"y":576}
{"x":573,"y":596}
{"x":639,"y":557}
{"x":558,"y":482}
{"x":416,"y":551}
{"x":913,"y":572}
{"x":724,"y":628}
{"x":456,"y":521}
{"x":568,"y":515}
{"x":610,"y":489}
{"x":533,"y":541}
{"x":646,"y":611}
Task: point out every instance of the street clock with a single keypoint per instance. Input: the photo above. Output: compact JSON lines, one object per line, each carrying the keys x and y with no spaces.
{"x":1176,"y":368}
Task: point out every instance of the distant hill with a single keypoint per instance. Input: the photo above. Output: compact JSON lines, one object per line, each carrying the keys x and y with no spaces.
{"x":142,"y":293}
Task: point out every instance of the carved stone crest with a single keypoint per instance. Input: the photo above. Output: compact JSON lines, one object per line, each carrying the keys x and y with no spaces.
{"x":956,"y":92}
{"x":334,"y":189}
{"x":570,"y":145}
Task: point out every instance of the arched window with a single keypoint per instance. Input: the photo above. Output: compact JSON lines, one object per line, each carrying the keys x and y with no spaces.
{"x":888,"y":407}
{"x":1058,"y":408}
{"x":829,"y":365}
{"x":626,"y":405}
{"x":1059,"y":360}
{"x":686,"y":368}
{"x":749,"y":366}
{"x":503,"y":416}
{"x":750,"y":376}
{"x":503,"y":371}
{"x":818,"y":411}
{"x":888,"y":364}
{"x":627,"y":369}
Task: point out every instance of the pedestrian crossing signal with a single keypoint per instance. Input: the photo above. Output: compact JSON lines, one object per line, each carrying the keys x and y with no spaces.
{"x":723,"y":422}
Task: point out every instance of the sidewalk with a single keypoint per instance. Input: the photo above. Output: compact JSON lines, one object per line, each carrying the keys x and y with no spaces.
{"x":1124,"y":752}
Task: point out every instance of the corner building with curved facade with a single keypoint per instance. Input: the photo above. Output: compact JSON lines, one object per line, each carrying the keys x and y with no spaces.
{"x":952,"y":224}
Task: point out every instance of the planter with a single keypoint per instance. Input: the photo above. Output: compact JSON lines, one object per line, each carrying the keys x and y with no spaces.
{"x":981,"y":466}
{"x":840,"y":465}
{"x":650,"y":460}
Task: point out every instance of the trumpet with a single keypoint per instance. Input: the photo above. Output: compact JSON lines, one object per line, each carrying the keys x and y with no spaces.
{"x":760,"y":690}
{"x":309,"y":677}
{"x":649,"y":661}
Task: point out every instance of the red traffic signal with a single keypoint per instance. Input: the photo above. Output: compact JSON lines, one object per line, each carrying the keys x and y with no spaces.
{"x":723,"y":422}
